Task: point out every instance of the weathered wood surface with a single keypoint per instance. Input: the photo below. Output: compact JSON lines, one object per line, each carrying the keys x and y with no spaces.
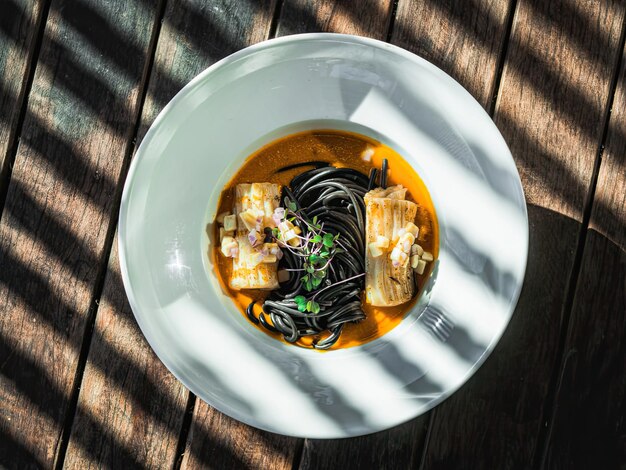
{"x":551,"y":111}
{"x":20,"y":25}
{"x":217,"y":441}
{"x":55,"y":223}
{"x":138,"y":400}
{"x":589,"y":426}
{"x":464,"y":38}
{"x":127,"y":390}
{"x":370,"y":18}
{"x":61,"y":209}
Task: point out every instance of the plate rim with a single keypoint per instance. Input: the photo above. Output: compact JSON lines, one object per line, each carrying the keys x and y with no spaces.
{"x":180,"y":95}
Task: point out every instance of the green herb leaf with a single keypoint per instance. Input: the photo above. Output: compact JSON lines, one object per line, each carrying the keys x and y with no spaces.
{"x":316,"y":282}
{"x":319,"y":274}
{"x":302,"y":307}
{"x":317,"y":239}
{"x":315,"y":258}
{"x":328,"y":240}
{"x":291,"y":205}
{"x":315,"y":307}
{"x":309,"y":306}
{"x":299,"y":299}
{"x":314,"y":220}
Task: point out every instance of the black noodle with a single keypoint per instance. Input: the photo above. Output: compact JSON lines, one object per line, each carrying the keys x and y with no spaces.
{"x":335,"y":196}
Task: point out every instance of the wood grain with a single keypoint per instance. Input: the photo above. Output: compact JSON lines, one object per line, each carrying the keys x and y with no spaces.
{"x":396,"y":448}
{"x":127,"y":390}
{"x":214,"y":439}
{"x":138,"y":402}
{"x":217,"y":441}
{"x":551,"y":105}
{"x":589,"y":426}
{"x":20,"y":24}
{"x":464,"y":38}
{"x":388,"y":449}
{"x":371,"y":17}
{"x":76,"y":134}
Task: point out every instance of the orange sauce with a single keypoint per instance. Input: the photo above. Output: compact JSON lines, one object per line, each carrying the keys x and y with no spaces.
{"x":341,"y":149}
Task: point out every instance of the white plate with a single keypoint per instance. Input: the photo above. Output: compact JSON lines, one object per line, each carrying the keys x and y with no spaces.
{"x":270,"y":90}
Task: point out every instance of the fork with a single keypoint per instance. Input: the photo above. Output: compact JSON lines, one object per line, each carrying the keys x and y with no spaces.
{"x":439,"y":325}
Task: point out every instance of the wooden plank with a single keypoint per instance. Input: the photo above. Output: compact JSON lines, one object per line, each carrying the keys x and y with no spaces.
{"x":217,"y":441}
{"x":589,"y":427}
{"x":81,"y":112}
{"x":371,"y":17}
{"x":20,"y":25}
{"x":214,"y":439}
{"x":211,"y":32}
{"x":386,"y":448}
{"x":551,"y":107}
{"x":136,"y":399}
{"x":463,"y":38}
{"x":399,"y":447}
{"x":417,"y":25}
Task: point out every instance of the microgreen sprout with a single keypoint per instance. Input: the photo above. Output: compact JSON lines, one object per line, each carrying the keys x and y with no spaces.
{"x":317,"y":248}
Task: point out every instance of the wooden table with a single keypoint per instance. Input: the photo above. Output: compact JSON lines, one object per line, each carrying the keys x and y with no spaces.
{"x":80,"y":83}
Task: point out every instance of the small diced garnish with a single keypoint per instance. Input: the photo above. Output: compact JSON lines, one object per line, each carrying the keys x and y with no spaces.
{"x":375,"y":249}
{"x":427,"y":256}
{"x":421,"y":265}
{"x":251,"y":219}
{"x":417,"y":249}
{"x":414,"y":260}
{"x":229,"y":247}
{"x":285,"y":226}
{"x":367,"y":154}
{"x":278,"y":216}
{"x":270,"y":259}
{"x":403,"y":245}
{"x":220,"y":217}
{"x":398,"y":257}
{"x":412,"y":229}
{"x":230,"y":223}
{"x":289,"y":235}
{"x":382,"y":242}
{"x":254,"y":237}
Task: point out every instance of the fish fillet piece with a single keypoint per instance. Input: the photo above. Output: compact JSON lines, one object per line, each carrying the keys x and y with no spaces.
{"x":386,"y":212}
{"x":248,"y":270}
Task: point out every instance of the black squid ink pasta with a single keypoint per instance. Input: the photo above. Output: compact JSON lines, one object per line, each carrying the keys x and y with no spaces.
{"x":324,"y":203}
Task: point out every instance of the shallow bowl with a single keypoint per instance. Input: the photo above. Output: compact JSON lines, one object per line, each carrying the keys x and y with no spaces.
{"x":297,"y":83}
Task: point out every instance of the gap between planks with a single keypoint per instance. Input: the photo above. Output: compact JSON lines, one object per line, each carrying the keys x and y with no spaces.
{"x":495,"y":94}
{"x":7,"y":167}
{"x":556,"y":378}
{"x":299,"y":454}
{"x":110,"y":235}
